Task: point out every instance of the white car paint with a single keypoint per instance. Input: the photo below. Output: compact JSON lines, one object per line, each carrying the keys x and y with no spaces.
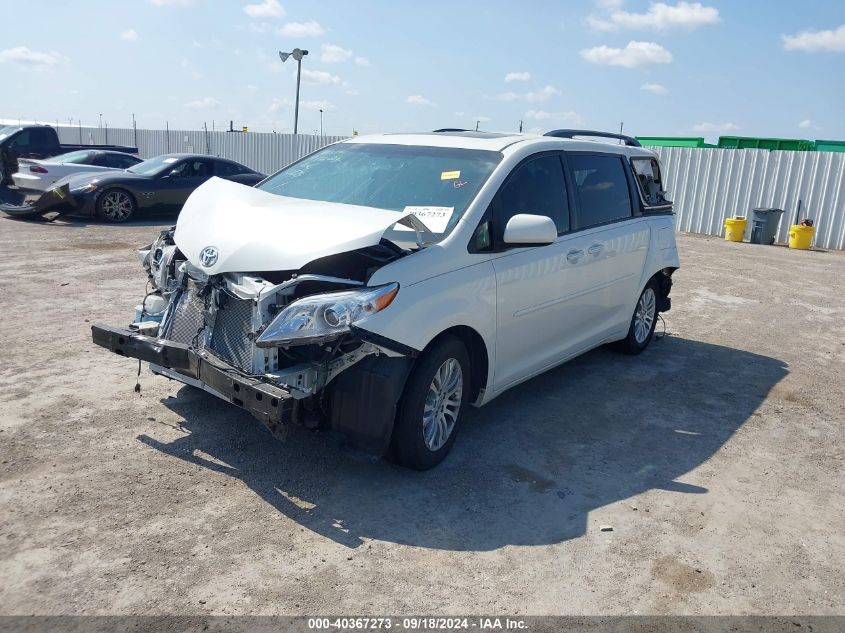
{"x":534,"y":307}
{"x":24,"y":178}
{"x":256,"y":230}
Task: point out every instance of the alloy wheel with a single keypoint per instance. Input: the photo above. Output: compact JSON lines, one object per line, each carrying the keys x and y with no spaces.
{"x":442,"y":404}
{"x":644,"y":315}
{"x":116,"y":206}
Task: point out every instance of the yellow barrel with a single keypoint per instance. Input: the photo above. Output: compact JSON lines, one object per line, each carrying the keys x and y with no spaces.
{"x":801,"y":236}
{"x":735,"y":228}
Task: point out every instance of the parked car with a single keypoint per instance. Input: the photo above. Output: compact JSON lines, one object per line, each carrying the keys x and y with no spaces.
{"x":37,"y":141}
{"x":40,"y":175}
{"x":380,"y":285}
{"x":162,"y":183}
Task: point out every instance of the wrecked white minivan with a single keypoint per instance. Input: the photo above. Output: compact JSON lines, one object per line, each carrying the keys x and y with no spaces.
{"x":380,"y":285}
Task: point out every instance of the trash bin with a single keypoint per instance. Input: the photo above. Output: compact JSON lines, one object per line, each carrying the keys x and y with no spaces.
{"x":801,"y":237}
{"x":764,"y":226}
{"x":735,"y":228}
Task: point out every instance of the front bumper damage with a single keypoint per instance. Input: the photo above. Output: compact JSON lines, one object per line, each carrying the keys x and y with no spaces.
{"x":50,"y":205}
{"x":273,"y":405}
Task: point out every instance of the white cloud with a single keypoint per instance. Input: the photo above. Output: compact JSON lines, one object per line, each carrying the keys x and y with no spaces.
{"x":659,"y":17}
{"x":830,"y":41}
{"x":362,"y":61}
{"x":806,"y":124}
{"x":523,"y":76}
{"x":333,"y":53}
{"x":203,"y":104}
{"x":571,"y":118}
{"x":656,"y":89}
{"x":130,"y":35}
{"x":301,"y":29}
{"x":483,"y":119}
{"x":319,"y":77}
{"x":265,"y":9}
{"x":508,"y":96}
{"x":543,"y":94}
{"x":633,"y":55}
{"x":317,"y":105}
{"x":715,"y":127}
{"x":278,"y":104}
{"x":32,"y":60}
{"x":610,"y":4}
{"x":420,"y":100}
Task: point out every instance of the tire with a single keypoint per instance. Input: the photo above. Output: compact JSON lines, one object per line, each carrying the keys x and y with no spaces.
{"x":643,"y":321}
{"x":116,"y":205}
{"x":422,"y":438}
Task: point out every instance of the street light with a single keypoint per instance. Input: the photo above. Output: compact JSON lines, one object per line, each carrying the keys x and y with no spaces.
{"x":321,"y":122}
{"x":297,"y":54}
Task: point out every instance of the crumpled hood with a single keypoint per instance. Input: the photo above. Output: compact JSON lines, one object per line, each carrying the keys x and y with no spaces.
{"x":251,"y":230}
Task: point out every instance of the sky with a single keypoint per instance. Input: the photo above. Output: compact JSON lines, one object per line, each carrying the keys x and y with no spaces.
{"x":732,"y":67}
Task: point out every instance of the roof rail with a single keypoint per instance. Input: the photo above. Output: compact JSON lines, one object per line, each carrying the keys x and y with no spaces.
{"x":630,"y":141}
{"x":451,"y":129}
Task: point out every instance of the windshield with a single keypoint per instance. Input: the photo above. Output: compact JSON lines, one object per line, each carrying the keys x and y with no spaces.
{"x":434,"y":183}
{"x":6,"y":130}
{"x":154,"y":166}
{"x":72,"y":157}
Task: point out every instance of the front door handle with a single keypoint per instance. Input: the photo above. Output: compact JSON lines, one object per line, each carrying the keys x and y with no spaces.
{"x":595,"y":249}
{"x":574,"y":255}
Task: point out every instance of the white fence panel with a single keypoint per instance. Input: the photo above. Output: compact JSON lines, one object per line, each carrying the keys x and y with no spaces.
{"x":263,"y":152}
{"x":708,"y":185}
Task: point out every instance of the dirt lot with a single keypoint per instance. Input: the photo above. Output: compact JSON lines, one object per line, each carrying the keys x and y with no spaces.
{"x":716,"y":457}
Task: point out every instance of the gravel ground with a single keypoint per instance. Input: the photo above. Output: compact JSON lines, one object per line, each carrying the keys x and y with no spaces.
{"x":716,"y":457}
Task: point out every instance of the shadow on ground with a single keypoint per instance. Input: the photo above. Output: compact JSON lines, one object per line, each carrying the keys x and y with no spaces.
{"x":527,"y":468}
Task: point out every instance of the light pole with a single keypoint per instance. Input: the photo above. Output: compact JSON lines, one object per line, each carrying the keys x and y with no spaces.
{"x":321,"y":122}
{"x":297,"y":54}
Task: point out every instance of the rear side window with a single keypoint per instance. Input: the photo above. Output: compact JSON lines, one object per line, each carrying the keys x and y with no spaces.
{"x":536,"y":187}
{"x":602,"y":187}
{"x":647,"y":171}
{"x":123,"y":161}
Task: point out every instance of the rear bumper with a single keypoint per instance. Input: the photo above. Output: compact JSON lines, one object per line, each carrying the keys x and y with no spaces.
{"x":272,"y":405}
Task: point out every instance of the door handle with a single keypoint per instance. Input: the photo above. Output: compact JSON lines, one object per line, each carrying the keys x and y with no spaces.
{"x":595,"y":249}
{"x":574,"y":255}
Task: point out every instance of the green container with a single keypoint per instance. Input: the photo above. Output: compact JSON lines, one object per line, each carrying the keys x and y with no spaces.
{"x":752,"y":142}
{"x":673,"y":141}
{"x":830,"y":146}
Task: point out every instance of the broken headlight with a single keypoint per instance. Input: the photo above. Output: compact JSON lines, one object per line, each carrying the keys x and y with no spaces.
{"x":321,"y":317}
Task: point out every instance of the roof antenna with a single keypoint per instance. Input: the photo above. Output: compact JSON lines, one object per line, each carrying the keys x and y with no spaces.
{"x":520,"y":126}
{"x":621,"y":125}
{"x":476,"y":125}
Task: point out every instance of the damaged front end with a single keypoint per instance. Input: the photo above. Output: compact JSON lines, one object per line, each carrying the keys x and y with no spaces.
{"x":279,"y":344}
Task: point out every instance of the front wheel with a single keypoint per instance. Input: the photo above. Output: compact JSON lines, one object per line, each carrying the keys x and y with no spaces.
{"x":115,"y":205}
{"x":643,"y":322}
{"x":429,"y":413}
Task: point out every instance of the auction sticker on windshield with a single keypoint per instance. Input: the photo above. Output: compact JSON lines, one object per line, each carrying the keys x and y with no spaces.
{"x":449,"y":175}
{"x":435,"y":218}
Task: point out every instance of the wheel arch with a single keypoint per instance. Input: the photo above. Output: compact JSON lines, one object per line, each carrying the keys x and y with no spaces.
{"x":479,"y":358}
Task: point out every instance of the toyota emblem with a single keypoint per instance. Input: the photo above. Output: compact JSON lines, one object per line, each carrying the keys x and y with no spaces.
{"x":208,"y":256}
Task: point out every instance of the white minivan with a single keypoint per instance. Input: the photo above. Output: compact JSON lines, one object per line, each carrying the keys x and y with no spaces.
{"x":380,"y":285}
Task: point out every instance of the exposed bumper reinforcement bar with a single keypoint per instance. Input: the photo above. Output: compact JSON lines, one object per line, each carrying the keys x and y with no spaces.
{"x":272,"y":405}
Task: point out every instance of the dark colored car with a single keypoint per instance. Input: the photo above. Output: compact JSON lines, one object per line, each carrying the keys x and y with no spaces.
{"x":159,"y":184}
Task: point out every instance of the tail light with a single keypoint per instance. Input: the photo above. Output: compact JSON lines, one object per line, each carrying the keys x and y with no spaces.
{"x":37,"y":169}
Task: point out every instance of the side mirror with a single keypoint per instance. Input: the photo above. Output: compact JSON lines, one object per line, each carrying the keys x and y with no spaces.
{"x":528,"y":229}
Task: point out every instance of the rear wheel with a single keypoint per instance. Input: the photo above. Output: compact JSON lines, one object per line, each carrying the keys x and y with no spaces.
{"x":115,"y":205}
{"x":429,"y":413}
{"x":643,"y":322}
